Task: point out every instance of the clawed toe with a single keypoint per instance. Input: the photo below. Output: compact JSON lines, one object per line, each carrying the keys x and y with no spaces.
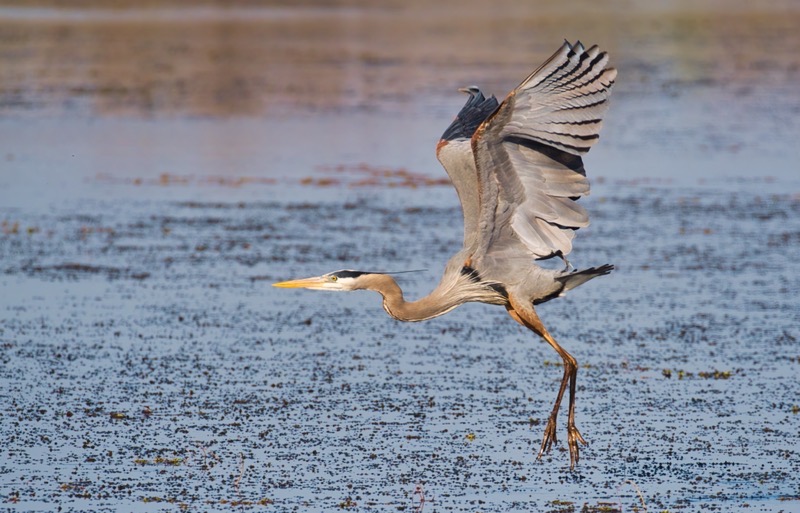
{"x":549,"y":438}
{"x":573,"y":437}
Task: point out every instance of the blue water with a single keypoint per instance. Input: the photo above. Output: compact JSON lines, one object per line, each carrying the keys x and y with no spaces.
{"x":146,"y":363}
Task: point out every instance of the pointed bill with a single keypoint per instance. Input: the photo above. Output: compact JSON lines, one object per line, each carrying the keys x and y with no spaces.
{"x":303,"y":283}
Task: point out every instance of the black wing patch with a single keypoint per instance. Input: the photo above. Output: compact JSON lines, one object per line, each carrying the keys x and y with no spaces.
{"x":475,"y":277}
{"x":477,"y":109}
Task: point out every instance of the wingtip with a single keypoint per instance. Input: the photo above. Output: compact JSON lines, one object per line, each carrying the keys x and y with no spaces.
{"x":605,"y":269}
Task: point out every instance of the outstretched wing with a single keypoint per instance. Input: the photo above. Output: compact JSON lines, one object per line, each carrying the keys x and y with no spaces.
{"x":454,"y":151}
{"x":528,"y":154}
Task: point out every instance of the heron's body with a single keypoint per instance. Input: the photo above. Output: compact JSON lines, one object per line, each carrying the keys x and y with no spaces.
{"x":518,"y":172}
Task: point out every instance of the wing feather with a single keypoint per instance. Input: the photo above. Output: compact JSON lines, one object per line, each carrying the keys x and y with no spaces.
{"x":528,"y":154}
{"x":454,"y":151}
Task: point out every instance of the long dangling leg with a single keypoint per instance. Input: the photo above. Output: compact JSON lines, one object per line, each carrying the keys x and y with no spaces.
{"x":526,"y":315}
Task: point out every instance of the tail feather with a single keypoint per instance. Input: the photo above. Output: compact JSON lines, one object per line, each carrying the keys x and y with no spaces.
{"x":577,"y":278}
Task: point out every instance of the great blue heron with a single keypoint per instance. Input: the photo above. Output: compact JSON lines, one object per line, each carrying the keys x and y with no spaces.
{"x":518,"y":172}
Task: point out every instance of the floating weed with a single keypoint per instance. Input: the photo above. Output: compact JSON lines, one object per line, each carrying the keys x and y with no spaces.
{"x":237,"y":181}
{"x":77,"y":486}
{"x":169,"y":179}
{"x":159,"y":461}
{"x":347,"y":503}
{"x":319,"y":182}
{"x":147,"y":500}
{"x":713,"y":374}
{"x":10,"y":228}
{"x":601,"y":507}
{"x":168,"y":461}
{"x":367,"y":175}
{"x":88,"y":230}
{"x":559,"y":506}
{"x":244,"y":503}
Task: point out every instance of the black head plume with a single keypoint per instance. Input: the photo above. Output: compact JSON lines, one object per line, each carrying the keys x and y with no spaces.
{"x":349,"y":273}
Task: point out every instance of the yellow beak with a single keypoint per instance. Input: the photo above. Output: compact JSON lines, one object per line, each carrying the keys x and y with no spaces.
{"x":304,"y":283}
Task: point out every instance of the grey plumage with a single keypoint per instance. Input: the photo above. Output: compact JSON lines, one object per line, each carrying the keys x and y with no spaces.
{"x":518,"y":170}
{"x":526,"y":158}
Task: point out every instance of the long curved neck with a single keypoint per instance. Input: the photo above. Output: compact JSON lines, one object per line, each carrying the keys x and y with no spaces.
{"x":434,"y":304}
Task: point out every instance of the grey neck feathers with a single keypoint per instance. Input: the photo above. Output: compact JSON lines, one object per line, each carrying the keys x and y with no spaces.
{"x":451,"y":292}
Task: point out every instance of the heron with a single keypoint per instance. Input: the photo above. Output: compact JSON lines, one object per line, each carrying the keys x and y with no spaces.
{"x":518,"y":171}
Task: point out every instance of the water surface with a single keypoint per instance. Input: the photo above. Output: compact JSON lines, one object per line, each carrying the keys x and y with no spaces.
{"x":160,"y":167}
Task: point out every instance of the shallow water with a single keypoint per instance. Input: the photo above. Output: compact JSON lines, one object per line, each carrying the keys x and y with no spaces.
{"x":146,"y":364}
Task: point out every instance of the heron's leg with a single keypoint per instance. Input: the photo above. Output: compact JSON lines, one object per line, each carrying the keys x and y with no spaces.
{"x":550,"y":436}
{"x":527,"y":316}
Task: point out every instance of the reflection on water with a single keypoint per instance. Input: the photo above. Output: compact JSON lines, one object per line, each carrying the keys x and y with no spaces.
{"x":703,"y":91}
{"x":256,"y":61}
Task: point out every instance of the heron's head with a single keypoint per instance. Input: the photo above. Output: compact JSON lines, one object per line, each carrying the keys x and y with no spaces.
{"x":475,"y":94}
{"x":336,"y":281}
{"x":472,"y":91}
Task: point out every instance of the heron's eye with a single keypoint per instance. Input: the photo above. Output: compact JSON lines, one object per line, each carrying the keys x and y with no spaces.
{"x":333,"y":278}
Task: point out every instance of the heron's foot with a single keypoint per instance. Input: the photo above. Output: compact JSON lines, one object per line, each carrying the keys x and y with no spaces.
{"x":573,"y":437}
{"x":549,"y":437}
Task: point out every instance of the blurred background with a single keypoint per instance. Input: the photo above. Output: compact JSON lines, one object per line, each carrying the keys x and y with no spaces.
{"x":163,"y":161}
{"x":296,"y":85}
